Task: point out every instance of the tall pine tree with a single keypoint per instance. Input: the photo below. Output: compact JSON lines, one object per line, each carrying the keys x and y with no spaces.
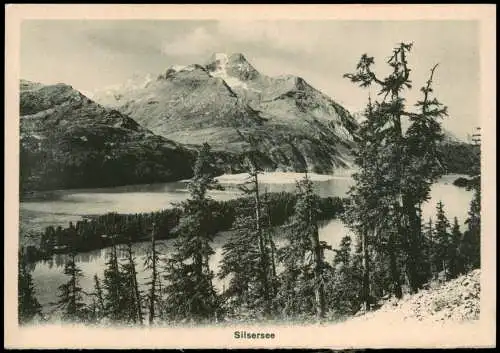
{"x":241,"y":265}
{"x":71,"y":294}
{"x":454,"y":259}
{"x":303,"y":287}
{"x":407,"y":163}
{"x":131,"y":292}
{"x":471,"y":243}
{"x":429,"y":249}
{"x":346,"y":285}
{"x":370,"y":211}
{"x":441,"y":240}
{"x":100,"y":310}
{"x":189,"y":291}
{"x":248,"y":256}
{"x":152,"y":263}
{"x":113,"y":284}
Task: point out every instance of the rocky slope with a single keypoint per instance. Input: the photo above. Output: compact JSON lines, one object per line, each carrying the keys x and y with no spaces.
{"x":226,"y":102}
{"x":446,"y":316}
{"x":456,"y":300}
{"x":69,"y":141}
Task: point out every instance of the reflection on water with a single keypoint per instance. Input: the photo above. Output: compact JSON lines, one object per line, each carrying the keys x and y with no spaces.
{"x":141,"y":198}
{"x":71,"y":205}
{"x":48,"y":275}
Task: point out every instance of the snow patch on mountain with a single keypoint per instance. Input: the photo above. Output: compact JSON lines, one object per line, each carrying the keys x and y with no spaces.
{"x":178,"y":67}
{"x":221,"y":72}
{"x":182,"y":68}
{"x":222,"y":60}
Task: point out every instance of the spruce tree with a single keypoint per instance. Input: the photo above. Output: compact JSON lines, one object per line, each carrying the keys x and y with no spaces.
{"x":455,"y":261}
{"x":471,"y":243}
{"x":189,"y":292}
{"x":271,"y":249}
{"x":430,"y":249}
{"x":370,"y":210}
{"x":347,"y":281}
{"x":423,"y":167}
{"x":28,"y":306}
{"x":249,"y":255}
{"x":152,"y":263}
{"x":303,"y":257}
{"x":131,"y":292}
{"x":100,"y":310}
{"x":113,"y":284}
{"x":442,"y":240}
{"x":241,"y":264}
{"x":71,"y":294}
{"x":407,"y":162}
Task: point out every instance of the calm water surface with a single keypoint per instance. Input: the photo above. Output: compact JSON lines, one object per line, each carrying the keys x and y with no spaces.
{"x":67,"y":205}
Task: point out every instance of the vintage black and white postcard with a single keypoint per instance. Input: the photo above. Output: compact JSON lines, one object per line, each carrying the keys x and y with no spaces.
{"x":209,"y":176}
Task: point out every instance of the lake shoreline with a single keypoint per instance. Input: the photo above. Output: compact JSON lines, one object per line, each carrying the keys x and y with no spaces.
{"x":47,"y":276}
{"x":36,"y":216}
{"x":103,"y":230}
{"x":265,"y":177}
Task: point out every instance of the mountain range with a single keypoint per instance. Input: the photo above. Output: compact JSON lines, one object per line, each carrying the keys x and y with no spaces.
{"x":146,"y":133}
{"x":226,"y":102}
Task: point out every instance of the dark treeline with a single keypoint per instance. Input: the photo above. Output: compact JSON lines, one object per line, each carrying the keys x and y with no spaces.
{"x":459,"y":158}
{"x":63,"y":160}
{"x":97,"y":232}
{"x":392,"y":251}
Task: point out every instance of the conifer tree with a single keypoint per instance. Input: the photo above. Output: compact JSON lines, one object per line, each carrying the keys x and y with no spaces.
{"x":347,"y":280}
{"x":28,"y":306}
{"x":131,"y":293}
{"x":190,"y":294}
{"x":100,"y":310}
{"x":442,"y":239}
{"x":152,"y":263}
{"x":429,"y":249}
{"x":262,"y":236}
{"x":370,"y":211}
{"x":71,"y":294}
{"x":249,"y":255}
{"x":241,"y":264}
{"x":422,"y":169}
{"x":408,"y":160}
{"x":270,"y":243}
{"x":471,"y":243}
{"x":454,"y":258}
{"x":303,"y":257}
{"x":113,"y":284}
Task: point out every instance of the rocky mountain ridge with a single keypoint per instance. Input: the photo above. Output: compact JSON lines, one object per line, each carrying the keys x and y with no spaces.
{"x":69,"y":141}
{"x":226,"y":102}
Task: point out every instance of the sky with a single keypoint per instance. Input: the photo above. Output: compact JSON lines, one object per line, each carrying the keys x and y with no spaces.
{"x":94,"y":54}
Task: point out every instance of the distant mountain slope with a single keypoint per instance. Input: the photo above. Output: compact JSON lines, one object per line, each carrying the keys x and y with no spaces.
{"x":459,"y":157}
{"x":69,"y":141}
{"x":230,"y":105}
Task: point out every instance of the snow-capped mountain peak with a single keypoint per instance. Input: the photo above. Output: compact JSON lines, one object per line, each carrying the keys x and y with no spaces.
{"x":233,"y":66}
{"x":219,"y":66}
{"x":227,"y":102}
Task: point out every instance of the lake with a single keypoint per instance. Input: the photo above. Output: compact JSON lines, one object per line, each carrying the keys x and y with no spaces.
{"x":70,"y":205}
